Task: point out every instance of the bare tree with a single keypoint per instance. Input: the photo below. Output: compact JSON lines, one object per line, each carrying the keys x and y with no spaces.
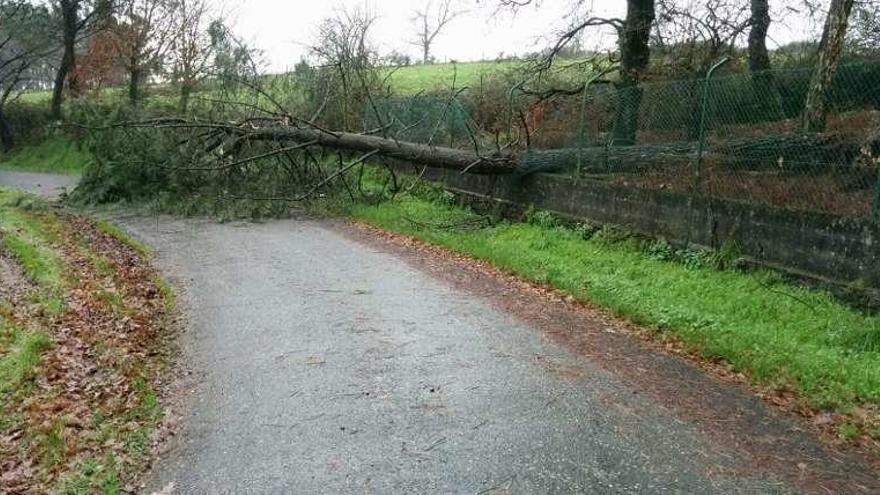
{"x":633,"y":35}
{"x":79,"y":19}
{"x":348,"y":60}
{"x":192,"y":49}
{"x":694,"y":35}
{"x":23,"y":49}
{"x":864,"y":36}
{"x":143,"y":34}
{"x":833,"y":36}
{"x":429,"y":21}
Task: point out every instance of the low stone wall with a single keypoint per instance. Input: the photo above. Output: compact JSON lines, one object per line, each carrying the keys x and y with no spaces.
{"x":822,"y":247}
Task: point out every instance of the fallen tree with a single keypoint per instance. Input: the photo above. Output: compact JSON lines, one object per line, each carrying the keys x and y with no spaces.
{"x":305,"y":135}
{"x":795,"y":153}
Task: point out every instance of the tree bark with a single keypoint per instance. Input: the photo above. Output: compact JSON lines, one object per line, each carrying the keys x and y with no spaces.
{"x":635,"y":56}
{"x":767,"y":98}
{"x":833,"y":35}
{"x":7,"y":139}
{"x":134,"y":85}
{"x":759,"y":58}
{"x":185,"y":94}
{"x":432,"y":156}
{"x":793,"y":153}
{"x":66,"y":72}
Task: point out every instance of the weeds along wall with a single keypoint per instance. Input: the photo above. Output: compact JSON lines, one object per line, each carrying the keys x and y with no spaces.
{"x":702,"y":160}
{"x":837,"y":251}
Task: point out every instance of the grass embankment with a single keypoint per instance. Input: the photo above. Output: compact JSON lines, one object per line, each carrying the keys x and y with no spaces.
{"x":56,"y":155}
{"x":81,"y":349}
{"x":784,"y":337}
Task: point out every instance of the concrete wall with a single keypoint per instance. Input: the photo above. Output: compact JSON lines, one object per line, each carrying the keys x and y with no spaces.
{"x":822,"y":247}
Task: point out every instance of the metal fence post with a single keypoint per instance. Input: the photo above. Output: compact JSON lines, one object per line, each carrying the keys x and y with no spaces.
{"x":875,"y":207}
{"x":701,"y":147}
{"x":513,"y":88}
{"x":704,"y":110}
{"x":582,"y":127}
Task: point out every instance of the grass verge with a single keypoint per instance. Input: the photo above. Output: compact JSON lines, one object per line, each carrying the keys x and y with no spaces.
{"x":55,"y":155}
{"x":784,"y":337}
{"x":65,"y":428}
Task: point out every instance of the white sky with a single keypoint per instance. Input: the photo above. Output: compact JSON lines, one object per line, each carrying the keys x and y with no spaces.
{"x":282,"y":28}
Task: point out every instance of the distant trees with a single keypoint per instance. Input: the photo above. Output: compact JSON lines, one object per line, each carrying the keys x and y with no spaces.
{"x":232,"y":60}
{"x":348,"y":58}
{"x":142,"y":32}
{"x":99,"y":65}
{"x":192,"y":48}
{"x":429,"y":21}
{"x":864,"y":35}
{"x":23,"y":46}
{"x":397,"y":59}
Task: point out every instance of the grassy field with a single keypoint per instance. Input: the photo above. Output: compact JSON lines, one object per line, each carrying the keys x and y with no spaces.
{"x":56,"y":155}
{"x":783,"y":336}
{"x":415,"y":78}
{"x":63,"y":427}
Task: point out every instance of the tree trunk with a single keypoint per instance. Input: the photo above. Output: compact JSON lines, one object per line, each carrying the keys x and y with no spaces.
{"x":432,"y":156}
{"x":815,"y":107}
{"x":134,"y":85}
{"x":794,"y":153}
{"x":7,"y":139}
{"x":635,"y":56}
{"x":185,"y":93}
{"x":759,"y":58}
{"x":767,"y":98}
{"x":66,"y":72}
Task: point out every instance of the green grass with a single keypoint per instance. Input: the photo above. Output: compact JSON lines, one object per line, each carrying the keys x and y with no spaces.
{"x":56,"y":155}
{"x":415,"y":78}
{"x":27,"y":234}
{"x":40,"y":241}
{"x":120,"y":235}
{"x":20,"y":352}
{"x":35,"y":97}
{"x":94,"y":476}
{"x":168,"y":295}
{"x":781,"y":335}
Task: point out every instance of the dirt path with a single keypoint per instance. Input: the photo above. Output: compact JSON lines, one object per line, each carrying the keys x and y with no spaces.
{"x":329,"y":360}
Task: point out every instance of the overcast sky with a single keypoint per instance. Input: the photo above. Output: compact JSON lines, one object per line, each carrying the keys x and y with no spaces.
{"x":283,"y":28}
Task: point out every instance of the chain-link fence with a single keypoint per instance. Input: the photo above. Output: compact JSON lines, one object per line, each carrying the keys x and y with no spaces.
{"x":738,"y":137}
{"x":734,"y":137}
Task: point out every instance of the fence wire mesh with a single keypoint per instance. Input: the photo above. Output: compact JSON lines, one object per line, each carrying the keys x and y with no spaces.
{"x":649,"y":137}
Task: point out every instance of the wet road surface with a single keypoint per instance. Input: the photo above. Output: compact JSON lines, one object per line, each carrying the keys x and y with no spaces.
{"x":325,"y":365}
{"x":331,"y":362}
{"x":48,"y":185}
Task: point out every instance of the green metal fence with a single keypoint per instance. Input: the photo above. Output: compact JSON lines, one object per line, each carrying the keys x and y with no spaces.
{"x":730,"y":135}
{"x":738,"y":137}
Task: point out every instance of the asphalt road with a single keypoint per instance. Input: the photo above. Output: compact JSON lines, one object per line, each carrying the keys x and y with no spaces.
{"x":327,"y":361}
{"x":47,"y":185}
{"x":329,"y":366}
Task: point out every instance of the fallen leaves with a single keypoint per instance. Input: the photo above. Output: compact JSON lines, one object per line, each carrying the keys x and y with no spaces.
{"x":92,"y":395}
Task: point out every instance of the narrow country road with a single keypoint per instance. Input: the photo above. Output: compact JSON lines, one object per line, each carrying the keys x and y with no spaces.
{"x":327,"y":359}
{"x":328,"y":362}
{"x":47,"y":185}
